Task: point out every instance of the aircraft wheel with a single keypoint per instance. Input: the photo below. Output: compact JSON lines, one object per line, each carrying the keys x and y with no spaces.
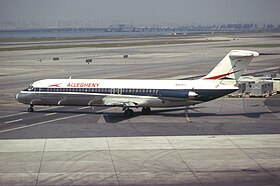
{"x":146,"y":110}
{"x":30,"y":109}
{"x":128,"y":113}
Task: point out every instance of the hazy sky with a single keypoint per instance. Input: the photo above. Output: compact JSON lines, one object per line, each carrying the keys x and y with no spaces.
{"x":143,"y":12}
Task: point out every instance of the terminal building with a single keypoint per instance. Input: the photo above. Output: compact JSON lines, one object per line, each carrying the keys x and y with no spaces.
{"x":121,"y":28}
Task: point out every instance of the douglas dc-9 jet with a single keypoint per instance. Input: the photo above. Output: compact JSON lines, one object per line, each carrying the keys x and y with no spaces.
{"x":134,"y":93}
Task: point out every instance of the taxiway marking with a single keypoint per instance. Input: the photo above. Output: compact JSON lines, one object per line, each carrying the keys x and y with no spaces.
{"x":108,"y":109}
{"x":84,"y":108}
{"x":53,"y":113}
{"x":17,"y":114}
{"x":21,"y":113}
{"x":274,"y":114}
{"x":43,"y":122}
{"x":13,"y":121}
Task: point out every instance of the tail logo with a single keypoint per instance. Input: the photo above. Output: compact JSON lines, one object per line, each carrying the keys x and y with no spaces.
{"x":220,"y":76}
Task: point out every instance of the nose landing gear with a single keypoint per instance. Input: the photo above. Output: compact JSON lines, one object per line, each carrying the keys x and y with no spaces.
{"x":30,"y":108}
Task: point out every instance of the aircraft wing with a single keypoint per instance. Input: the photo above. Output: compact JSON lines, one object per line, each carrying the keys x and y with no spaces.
{"x":123,"y":101}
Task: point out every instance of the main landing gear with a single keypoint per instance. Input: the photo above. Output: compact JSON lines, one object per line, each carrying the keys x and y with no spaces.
{"x":146,"y":110}
{"x":129,"y":112}
{"x":30,"y":108}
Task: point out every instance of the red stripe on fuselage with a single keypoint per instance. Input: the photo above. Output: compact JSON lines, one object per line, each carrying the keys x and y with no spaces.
{"x":55,"y":85}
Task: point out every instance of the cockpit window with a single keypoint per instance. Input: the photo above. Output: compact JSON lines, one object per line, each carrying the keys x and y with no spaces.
{"x":30,"y":88}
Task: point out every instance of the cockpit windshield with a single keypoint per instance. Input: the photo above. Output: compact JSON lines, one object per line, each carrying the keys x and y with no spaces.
{"x":30,"y":88}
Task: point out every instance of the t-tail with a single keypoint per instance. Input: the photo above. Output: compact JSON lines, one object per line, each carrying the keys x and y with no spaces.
{"x":232,"y":66}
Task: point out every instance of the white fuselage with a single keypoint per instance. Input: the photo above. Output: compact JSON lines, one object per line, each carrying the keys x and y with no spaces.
{"x":124,"y":93}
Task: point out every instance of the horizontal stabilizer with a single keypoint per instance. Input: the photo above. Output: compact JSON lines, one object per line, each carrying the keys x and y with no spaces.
{"x":242,"y":53}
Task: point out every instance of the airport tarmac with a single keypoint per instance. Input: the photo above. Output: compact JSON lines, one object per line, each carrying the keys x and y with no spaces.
{"x":228,"y":141}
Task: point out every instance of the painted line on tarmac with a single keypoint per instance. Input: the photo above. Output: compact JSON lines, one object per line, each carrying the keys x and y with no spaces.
{"x":17,"y":114}
{"x":82,"y":108}
{"x":53,"y":113}
{"x":10,"y":104}
{"x":43,"y":122}
{"x":21,"y":113}
{"x":50,"y":108}
{"x":108,"y":109}
{"x":13,"y":121}
{"x":274,"y":114}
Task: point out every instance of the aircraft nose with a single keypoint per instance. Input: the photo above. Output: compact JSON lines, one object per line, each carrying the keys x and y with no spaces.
{"x":23,"y":98}
{"x":17,"y":95}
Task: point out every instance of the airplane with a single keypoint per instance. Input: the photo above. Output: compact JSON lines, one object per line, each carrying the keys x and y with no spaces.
{"x":135,"y":93}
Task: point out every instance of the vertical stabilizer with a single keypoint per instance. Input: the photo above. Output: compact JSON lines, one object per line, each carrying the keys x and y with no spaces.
{"x":232,"y":65}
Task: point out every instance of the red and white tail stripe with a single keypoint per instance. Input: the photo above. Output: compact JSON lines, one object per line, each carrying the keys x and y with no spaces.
{"x":232,"y":65}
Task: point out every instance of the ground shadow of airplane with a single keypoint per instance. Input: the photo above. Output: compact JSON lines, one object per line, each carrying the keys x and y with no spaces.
{"x":116,"y":117}
{"x":113,"y":117}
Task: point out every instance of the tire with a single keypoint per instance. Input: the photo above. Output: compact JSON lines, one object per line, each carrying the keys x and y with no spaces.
{"x":146,"y":110}
{"x":128,"y":113}
{"x":30,"y":109}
